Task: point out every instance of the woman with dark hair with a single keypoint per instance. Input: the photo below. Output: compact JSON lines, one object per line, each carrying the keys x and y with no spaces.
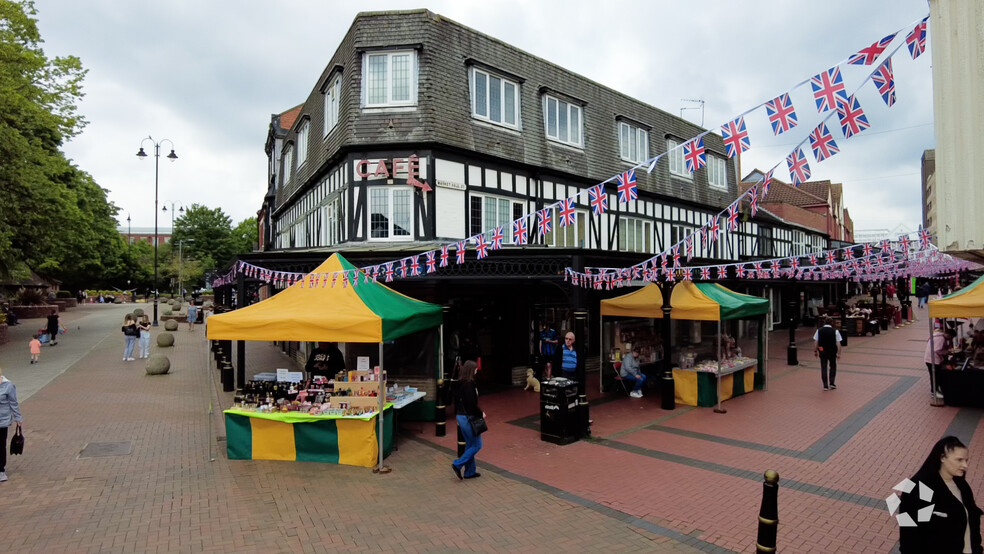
{"x":955,"y":523}
{"x":466,"y":408}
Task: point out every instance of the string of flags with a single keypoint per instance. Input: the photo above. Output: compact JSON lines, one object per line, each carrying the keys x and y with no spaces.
{"x":829,"y":93}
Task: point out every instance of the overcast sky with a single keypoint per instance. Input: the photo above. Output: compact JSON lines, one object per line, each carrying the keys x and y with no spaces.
{"x":207,"y":75}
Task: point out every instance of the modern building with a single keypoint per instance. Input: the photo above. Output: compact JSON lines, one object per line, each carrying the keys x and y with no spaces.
{"x":136,"y":234}
{"x":873,"y":236}
{"x":421,"y":132}
{"x":928,"y":189}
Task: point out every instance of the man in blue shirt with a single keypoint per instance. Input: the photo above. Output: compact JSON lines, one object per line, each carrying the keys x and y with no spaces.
{"x":569,"y":357}
{"x":630,"y":371}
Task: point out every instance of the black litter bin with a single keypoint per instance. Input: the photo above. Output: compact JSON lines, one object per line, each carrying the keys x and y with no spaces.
{"x":558,"y":411}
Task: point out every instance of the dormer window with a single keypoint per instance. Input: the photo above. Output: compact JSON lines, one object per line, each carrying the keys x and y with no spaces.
{"x":389,"y":79}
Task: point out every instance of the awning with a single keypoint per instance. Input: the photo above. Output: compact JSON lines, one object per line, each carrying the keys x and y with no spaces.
{"x":966,"y":302}
{"x":703,"y":301}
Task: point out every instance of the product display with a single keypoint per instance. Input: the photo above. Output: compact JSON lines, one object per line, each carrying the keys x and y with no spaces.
{"x":349,"y":394}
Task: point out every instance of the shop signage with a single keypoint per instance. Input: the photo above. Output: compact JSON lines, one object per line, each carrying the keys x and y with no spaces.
{"x":362,"y":363}
{"x":382,"y":170}
{"x":450,"y":185}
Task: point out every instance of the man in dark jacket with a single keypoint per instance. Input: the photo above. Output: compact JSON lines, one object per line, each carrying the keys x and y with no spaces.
{"x":826,"y":340}
{"x":326,"y":360}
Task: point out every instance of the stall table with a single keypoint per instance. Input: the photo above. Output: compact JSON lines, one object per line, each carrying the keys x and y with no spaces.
{"x":398,"y":404}
{"x":348,"y":440}
{"x":699,"y":388}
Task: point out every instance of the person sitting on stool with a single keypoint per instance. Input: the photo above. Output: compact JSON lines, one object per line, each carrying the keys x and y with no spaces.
{"x":630,"y":371}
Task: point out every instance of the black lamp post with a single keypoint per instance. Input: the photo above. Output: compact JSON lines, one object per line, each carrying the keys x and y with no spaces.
{"x":181,"y":209}
{"x":157,"y":157}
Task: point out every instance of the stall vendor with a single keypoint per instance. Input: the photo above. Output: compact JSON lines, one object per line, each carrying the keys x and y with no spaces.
{"x":630,"y":371}
{"x":326,"y":360}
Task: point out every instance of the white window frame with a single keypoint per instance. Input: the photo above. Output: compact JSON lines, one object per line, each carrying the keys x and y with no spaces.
{"x":499,"y":217}
{"x":635,"y":234}
{"x":288,"y":159}
{"x":717,"y":172}
{"x":368,"y":79}
{"x":483,"y":110}
{"x":570,"y":109}
{"x":333,"y":95}
{"x":390,"y":193}
{"x":675,"y":161}
{"x":303,"y":132}
{"x":560,"y":237}
{"x":633,"y":143}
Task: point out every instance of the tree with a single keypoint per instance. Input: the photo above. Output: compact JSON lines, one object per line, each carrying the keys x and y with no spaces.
{"x":206,"y":233}
{"x":245,"y":236}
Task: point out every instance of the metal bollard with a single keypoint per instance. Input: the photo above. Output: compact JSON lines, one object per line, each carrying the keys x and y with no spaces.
{"x":440,"y":410}
{"x":228,"y":382}
{"x":768,"y":514}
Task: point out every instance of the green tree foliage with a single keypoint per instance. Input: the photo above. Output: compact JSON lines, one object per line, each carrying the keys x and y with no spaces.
{"x":206,"y":233}
{"x":246,"y":235}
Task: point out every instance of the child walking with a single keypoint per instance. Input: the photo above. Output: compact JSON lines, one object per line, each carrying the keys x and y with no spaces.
{"x":35,"y":345}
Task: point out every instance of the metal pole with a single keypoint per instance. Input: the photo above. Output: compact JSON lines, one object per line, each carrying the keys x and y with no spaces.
{"x":157,"y":159}
{"x":935,"y":402}
{"x":601,"y":353}
{"x":584,"y":419}
{"x":719,"y":409}
{"x":791,"y":358}
{"x":180,"y":244}
{"x":668,"y":386}
{"x":382,"y":403}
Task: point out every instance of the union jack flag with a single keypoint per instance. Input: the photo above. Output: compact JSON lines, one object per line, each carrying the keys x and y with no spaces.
{"x":544,"y":219}
{"x":766,"y":181}
{"x":722,"y":272}
{"x":481,"y":247}
{"x":916,"y":39}
{"x":687,"y":276}
{"x":799,"y":170}
{"x":830,"y":257}
{"x":389,"y":273}
{"x":403,"y":268}
{"x":754,"y":202}
{"x":431,"y":262}
{"x":670,"y":277}
{"x":822,"y":143}
{"x":375,"y":273}
{"x":923,"y":238}
{"x":566,"y":212}
{"x":885,"y":245}
{"x":884,"y":79}
{"x":598,"y":199}
{"x":520,"y":232}
{"x":694,"y":155}
{"x":497,"y":234}
{"x":733,"y":217}
{"x":781,"y":114}
{"x":740,"y":271}
{"x":688,"y":246}
{"x":676,"y":256}
{"x":868,"y":55}
{"x":444,"y":255}
{"x":627,"y":186}
{"x":794,"y":264}
{"x":713,"y":227}
{"x":849,"y":253}
{"x":415,"y":265}
{"x":735,"y":137}
{"x":828,"y":88}
{"x":813,"y":259}
{"x":459,"y":252}
{"x":866,"y":249}
{"x":705,"y":273}
{"x":852,"y":118}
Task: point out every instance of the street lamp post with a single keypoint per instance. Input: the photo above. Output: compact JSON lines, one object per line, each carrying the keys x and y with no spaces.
{"x":181,"y":268}
{"x":157,"y":157}
{"x":181,"y":209}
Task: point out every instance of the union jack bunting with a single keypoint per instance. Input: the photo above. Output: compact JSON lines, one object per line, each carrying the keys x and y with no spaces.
{"x":799,"y":170}
{"x":884,"y":79}
{"x":754,"y":202}
{"x":431,"y":262}
{"x":828,"y":89}
{"x":676,"y":256}
{"x":481,"y":247}
{"x":740,"y":270}
{"x":403,"y":268}
{"x":733,"y":217}
{"x":923,"y":238}
{"x":866,"y":249}
{"x":497,"y":234}
{"x":722,"y":272}
{"x":389,"y":274}
{"x":813,"y":259}
{"x":916,"y":39}
{"x":848,"y":253}
{"x":688,"y":246}
{"x":687,"y":276}
{"x":794,"y":264}
{"x":713,"y":227}
{"x":781,"y":114}
{"x":868,"y":55}
{"x":830,"y":257}
{"x":766,"y":181}
{"x":566,"y":212}
{"x":444,"y":255}
{"x":459,"y":252}
{"x":705,"y":273}
{"x":415,"y":265}
{"x":627,"y":186}
{"x":598,"y":199}
{"x":694,"y":154}
{"x":735,"y":137}
{"x":520,"y":232}
{"x":544,"y":218}
{"x":852,"y":118}
{"x":885,"y":245}
{"x":822,"y":143}
{"x":670,"y":277}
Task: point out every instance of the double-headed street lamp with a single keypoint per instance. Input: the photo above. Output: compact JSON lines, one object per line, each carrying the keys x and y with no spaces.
{"x":180,"y":209}
{"x":157,"y":157}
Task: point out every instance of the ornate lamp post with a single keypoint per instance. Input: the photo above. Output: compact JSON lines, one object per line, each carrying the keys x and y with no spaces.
{"x":157,"y":157}
{"x":180,"y":209}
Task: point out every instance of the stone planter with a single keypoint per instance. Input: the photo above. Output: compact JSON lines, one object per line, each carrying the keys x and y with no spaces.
{"x":171,"y":325}
{"x":65,"y":303}
{"x":158,"y":364}
{"x":165,"y":340}
{"x":138,"y":312}
{"x":3,"y":333}
{"x":33,"y":312}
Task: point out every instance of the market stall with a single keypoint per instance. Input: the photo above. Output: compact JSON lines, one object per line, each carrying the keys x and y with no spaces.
{"x":337,"y":419}
{"x":716,"y":337}
{"x":963,"y":385}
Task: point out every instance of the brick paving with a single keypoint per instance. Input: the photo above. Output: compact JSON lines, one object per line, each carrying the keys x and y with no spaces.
{"x":685,"y":480}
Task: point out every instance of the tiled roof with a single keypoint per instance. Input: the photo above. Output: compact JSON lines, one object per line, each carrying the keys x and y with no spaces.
{"x":783,"y":193}
{"x":288,"y":118}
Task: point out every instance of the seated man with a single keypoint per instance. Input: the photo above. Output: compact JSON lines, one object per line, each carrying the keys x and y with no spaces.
{"x":630,"y":370}
{"x":11,"y":316}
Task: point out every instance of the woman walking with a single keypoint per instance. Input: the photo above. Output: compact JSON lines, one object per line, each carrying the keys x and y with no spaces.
{"x":954,"y":525}
{"x":9,"y":414}
{"x":130,"y":334}
{"x":466,"y":408}
{"x":53,"y":327}
{"x":144,"y":327}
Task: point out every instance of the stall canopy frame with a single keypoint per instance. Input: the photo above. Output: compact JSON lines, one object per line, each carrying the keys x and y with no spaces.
{"x":966,"y":302}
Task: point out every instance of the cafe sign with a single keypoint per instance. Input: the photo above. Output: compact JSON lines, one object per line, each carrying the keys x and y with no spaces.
{"x":380,"y":169}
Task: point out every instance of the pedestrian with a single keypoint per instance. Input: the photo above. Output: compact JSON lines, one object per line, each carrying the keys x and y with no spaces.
{"x":826,"y":340}
{"x":548,"y":344}
{"x":35,"y":346}
{"x":954,"y":523}
{"x":465,"y":409}
{"x":53,"y":327}
{"x":630,"y":371}
{"x":192,"y":316}
{"x":130,"y":334}
{"x":9,"y":414}
{"x":922,"y":294}
{"x":325,"y":360}
{"x":934,"y":355}
{"x":568,"y":357}
{"x":144,"y":328}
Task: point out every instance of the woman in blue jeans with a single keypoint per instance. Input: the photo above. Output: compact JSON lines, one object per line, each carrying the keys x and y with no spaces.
{"x":465,"y":407}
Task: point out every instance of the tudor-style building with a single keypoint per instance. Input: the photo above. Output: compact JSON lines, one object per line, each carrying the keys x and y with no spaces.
{"x":421,"y":132}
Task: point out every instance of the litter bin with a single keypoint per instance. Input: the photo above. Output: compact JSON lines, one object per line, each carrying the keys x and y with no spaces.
{"x":558,"y":411}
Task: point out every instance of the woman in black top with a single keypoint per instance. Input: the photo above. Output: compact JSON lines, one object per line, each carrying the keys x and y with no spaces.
{"x":130,"y":334}
{"x":955,"y":523}
{"x":53,"y":327}
{"x":466,"y":407}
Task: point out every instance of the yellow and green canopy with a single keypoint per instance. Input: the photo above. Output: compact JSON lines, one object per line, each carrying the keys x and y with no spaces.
{"x":366,"y":312}
{"x":966,"y":302}
{"x":694,"y":301}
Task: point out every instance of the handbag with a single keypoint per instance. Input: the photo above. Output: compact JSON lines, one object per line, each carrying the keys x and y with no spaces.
{"x":17,"y":443}
{"x":478,"y":425}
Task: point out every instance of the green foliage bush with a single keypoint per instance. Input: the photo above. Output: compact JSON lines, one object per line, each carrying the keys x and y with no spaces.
{"x":31,"y":297}
{"x":64,"y":294}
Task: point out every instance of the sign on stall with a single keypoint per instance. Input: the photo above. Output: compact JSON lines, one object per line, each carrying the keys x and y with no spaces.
{"x":285,"y":375}
{"x":362,"y":363}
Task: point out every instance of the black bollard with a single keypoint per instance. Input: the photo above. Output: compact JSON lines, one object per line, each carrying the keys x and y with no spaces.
{"x":791,"y":354}
{"x":228,"y":384}
{"x":441,"y":410}
{"x":768,"y":525}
